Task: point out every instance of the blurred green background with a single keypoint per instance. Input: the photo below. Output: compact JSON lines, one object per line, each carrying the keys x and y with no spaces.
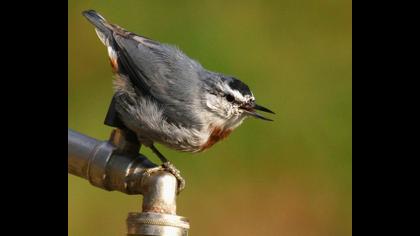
{"x":290,"y":177}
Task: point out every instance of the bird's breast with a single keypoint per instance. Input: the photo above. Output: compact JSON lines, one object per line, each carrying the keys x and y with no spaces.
{"x":217,"y":134}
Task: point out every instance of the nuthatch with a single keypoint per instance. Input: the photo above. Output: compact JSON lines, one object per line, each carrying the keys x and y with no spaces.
{"x":164,"y":96}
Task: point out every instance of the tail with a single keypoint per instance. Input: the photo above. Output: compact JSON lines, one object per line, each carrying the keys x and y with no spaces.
{"x":103,"y":28}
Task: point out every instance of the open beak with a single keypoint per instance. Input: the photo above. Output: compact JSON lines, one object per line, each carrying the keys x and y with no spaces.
{"x":249,"y":109}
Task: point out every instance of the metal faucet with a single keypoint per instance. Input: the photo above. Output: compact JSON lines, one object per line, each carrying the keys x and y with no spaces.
{"x":116,"y":165}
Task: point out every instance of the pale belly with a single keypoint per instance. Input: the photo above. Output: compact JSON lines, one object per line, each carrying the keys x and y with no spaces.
{"x":197,"y":143}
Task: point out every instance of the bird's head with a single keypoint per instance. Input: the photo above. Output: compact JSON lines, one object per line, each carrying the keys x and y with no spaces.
{"x":231,"y":100}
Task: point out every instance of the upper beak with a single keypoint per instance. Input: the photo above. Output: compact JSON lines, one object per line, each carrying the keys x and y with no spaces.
{"x":250,"y":110}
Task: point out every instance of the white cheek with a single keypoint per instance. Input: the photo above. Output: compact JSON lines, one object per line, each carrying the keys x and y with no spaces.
{"x":210,"y":105}
{"x":236,"y":111}
{"x":211,"y":102}
{"x":219,"y":106}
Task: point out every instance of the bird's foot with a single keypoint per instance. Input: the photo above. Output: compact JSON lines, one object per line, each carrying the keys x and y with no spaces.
{"x":173,"y":170}
{"x":169,"y":167}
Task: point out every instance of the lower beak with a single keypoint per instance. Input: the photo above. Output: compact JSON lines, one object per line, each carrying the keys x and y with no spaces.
{"x":250,"y":110}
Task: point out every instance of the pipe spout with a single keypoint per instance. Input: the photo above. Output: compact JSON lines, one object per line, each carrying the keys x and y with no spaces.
{"x":116,"y":165}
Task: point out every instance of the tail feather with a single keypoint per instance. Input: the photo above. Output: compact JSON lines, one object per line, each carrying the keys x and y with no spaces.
{"x":102,"y":27}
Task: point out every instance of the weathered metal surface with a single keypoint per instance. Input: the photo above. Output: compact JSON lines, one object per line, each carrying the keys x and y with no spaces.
{"x":148,"y":223}
{"x":115,"y":165}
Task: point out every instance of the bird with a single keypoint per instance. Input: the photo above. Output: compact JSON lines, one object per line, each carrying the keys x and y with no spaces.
{"x":163,"y":96}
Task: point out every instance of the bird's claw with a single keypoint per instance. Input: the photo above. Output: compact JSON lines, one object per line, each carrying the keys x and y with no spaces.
{"x":169,"y":167}
{"x":173,"y":170}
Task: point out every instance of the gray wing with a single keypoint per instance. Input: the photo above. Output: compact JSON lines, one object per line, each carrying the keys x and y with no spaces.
{"x":163,"y":73}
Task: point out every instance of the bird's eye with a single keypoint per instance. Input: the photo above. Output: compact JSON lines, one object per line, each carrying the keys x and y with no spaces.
{"x":230,"y":98}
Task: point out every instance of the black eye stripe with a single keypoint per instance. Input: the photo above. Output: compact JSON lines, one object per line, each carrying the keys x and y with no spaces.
{"x":229,"y":98}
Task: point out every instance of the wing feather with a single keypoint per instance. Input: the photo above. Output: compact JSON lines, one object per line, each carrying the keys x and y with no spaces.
{"x":163,"y":73}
